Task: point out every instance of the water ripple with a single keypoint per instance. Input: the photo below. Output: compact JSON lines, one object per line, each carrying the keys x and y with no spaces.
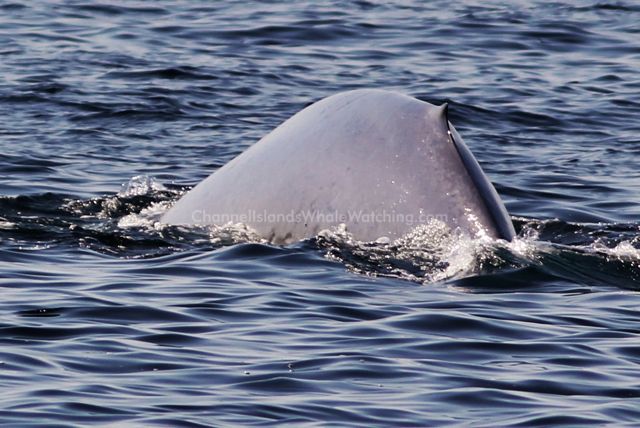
{"x":111,"y":318}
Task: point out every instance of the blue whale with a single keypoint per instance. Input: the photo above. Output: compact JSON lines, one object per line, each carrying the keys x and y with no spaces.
{"x":377,"y":162}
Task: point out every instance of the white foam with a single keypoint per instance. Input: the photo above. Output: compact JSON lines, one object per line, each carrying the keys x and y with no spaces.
{"x":428,"y":253}
{"x":141,"y":185}
{"x":148,"y":217}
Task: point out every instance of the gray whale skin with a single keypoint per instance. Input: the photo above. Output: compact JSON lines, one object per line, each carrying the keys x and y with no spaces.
{"x":378,"y":162}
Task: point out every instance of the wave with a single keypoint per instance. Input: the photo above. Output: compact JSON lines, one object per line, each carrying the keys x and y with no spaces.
{"x":128,"y":225}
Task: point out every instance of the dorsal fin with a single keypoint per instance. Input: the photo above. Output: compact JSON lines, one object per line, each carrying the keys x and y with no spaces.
{"x":443,"y":111}
{"x":495,"y":207}
{"x":443,"y":115}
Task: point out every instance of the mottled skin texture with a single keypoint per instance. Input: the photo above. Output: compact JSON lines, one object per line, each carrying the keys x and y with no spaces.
{"x":363,"y":151}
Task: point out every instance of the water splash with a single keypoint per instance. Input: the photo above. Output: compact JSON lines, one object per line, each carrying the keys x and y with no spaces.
{"x":141,"y":185}
{"x":595,"y":253}
{"x":428,"y":253}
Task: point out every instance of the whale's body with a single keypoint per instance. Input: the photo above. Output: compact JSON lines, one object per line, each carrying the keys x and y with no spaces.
{"x":376,"y":161}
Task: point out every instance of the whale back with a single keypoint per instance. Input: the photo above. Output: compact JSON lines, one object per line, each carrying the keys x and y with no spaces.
{"x":377,"y":161}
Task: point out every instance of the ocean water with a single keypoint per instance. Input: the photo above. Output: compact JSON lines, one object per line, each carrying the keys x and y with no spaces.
{"x":110,"y":111}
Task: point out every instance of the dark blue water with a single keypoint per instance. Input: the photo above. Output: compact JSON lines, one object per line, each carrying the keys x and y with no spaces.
{"x":110,"y":111}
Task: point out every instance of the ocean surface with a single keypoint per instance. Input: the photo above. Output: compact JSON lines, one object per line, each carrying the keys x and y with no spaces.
{"x":110,"y":111}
